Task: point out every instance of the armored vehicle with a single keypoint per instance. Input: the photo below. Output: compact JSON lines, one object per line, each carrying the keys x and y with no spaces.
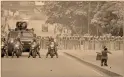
{"x":26,"y":37}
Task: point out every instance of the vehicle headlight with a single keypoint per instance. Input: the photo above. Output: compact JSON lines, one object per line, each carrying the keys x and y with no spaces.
{"x":51,"y":46}
{"x":16,"y":45}
{"x":32,"y":47}
{"x":29,"y":43}
{"x":11,"y":41}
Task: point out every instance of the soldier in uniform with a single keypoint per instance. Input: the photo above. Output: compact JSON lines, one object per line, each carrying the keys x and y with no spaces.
{"x":79,"y":42}
{"x":24,"y":25}
{"x":42,"y":42}
{"x":66,"y":42}
{"x":76,"y":42}
{"x":70,"y":42}
{"x":18,"y":26}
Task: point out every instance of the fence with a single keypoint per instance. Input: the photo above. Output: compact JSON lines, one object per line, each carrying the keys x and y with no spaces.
{"x":85,"y":43}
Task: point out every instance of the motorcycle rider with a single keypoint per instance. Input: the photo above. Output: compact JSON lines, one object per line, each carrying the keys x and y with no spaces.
{"x":18,"y":42}
{"x":51,"y":40}
{"x":36,"y":46}
{"x":4,"y":42}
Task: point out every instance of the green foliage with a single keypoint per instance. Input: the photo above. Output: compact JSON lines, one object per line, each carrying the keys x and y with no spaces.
{"x":110,"y":17}
{"x":105,"y":16}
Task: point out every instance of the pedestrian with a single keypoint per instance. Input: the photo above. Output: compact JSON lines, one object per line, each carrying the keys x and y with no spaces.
{"x":104,"y":56}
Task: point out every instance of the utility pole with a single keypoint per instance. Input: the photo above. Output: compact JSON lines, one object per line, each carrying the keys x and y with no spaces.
{"x":89,"y":3}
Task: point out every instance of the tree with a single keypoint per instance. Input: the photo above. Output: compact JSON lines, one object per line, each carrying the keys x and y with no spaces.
{"x":109,"y":17}
{"x":105,"y":16}
{"x":68,"y":13}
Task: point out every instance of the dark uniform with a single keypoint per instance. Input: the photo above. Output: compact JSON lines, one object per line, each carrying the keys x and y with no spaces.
{"x":104,"y":56}
{"x":5,"y":47}
{"x":17,"y":42}
{"x":34,"y":42}
{"x":52,"y":40}
{"x":18,"y":26}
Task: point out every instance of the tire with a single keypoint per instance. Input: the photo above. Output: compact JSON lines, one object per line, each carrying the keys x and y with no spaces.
{"x":52,"y":53}
{"x":34,"y":54}
{"x":10,"y":49}
{"x":9,"y":53}
{"x":51,"y":56}
{"x":17,"y":53}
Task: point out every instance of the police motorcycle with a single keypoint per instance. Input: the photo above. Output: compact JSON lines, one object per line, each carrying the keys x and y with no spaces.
{"x":52,"y":49}
{"x":17,"y":50}
{"x":33,"y":50}
{"x":10,"y":46}
{"x":3,"y":49}
{"x":39,"y":42}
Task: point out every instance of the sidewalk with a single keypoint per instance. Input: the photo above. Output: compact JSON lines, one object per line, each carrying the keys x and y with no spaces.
{"x":115,"y":60}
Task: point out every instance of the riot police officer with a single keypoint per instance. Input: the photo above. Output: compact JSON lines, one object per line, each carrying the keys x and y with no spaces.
{"x":4,"y":48}
{"x":18,"y":26}
{"x":52,"y":40}
{"x":36,"y":46}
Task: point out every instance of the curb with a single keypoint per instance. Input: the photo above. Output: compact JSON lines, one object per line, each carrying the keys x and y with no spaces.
{"x":105,"y":71}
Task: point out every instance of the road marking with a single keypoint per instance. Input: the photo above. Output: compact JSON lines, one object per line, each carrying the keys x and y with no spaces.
{"x":97,"y":72}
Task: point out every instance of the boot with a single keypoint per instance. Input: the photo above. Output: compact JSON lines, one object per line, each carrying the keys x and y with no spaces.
{"x":28,"y":56}
{"x":105,"y":64}
{"x":101,"y":64}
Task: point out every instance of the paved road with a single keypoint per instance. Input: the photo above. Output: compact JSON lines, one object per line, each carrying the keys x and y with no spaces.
{"x":63,"y":66}
{"x":115,"y":60}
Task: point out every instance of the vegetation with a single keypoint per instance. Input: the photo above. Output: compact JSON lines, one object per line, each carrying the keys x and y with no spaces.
{"x":102,"y":17}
